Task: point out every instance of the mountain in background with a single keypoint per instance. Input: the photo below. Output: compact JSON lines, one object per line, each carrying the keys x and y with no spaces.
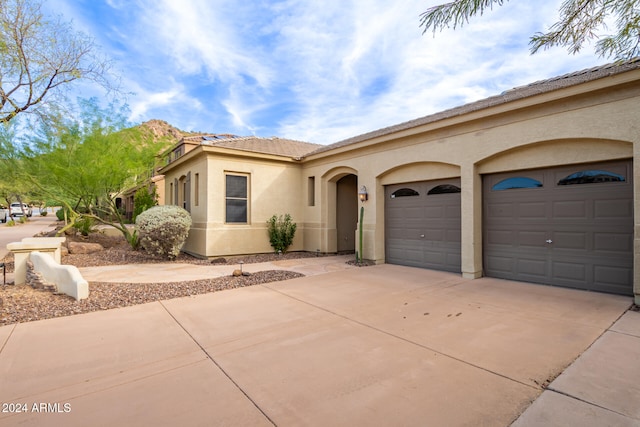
{"x":164,"y":131}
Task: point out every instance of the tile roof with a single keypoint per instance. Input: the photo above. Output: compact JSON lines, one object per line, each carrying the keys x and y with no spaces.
{"x":273,"y":145}
{"x":521,"y":92}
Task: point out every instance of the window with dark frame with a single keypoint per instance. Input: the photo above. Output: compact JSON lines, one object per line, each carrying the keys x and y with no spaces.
{"x":516,"y":182}
{"x":311,"y":191}
{"x":404,"y":192}
{"x":591,"y":177}
{"x":196,"y":190}
{"x":236,"y":199}
{"x":444,"y":189}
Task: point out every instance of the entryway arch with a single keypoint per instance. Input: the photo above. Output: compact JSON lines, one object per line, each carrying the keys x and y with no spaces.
{"x":340,"y":214}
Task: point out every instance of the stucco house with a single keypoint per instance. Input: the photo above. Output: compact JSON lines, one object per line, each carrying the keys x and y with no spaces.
{"x":535,"y":184}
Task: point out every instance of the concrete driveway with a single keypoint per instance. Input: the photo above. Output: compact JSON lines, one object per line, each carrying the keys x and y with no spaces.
{"x":382,"y":345}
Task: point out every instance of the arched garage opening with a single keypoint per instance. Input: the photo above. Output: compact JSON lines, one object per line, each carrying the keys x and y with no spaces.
{"x":561,"y":213}
{"x":569,"y":226}
{"x":422,"y":224}
{"x":422,"y":215}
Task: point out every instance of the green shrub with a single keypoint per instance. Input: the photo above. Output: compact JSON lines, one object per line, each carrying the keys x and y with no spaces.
{"x":43,"y":213}
{"x":84,"y":225}
{"x":162,"y":230}
{"x":143,"y":200}
{"x":10,"y":223}
{"x":281,"y":232}
{"x":60,"y":214}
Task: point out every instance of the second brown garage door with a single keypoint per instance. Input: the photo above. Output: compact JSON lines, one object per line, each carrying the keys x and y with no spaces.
{"x":422,"y":224}
{"x":569,"y":226}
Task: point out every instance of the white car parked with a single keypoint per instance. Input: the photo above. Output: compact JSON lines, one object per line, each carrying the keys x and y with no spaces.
{"x":4,"y":214}
{"x":16,"y":210}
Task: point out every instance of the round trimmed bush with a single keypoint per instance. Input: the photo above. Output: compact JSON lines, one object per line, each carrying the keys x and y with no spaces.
{"x":162,"y":230}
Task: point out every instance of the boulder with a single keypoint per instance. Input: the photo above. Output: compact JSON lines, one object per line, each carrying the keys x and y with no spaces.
{"x":84,"y":248}
{"x":238,"y":273}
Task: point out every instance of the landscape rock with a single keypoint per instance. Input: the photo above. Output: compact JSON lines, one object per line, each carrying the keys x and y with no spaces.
{"x":237,"y":272}
{"x":84,"y":248}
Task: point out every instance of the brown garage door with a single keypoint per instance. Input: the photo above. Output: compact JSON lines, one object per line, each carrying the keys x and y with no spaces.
{"x":422,"y":224}
{"x":570,"y":226}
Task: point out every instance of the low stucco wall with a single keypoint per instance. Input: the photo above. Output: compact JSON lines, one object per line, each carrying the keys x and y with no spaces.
{"x":67,"y":278}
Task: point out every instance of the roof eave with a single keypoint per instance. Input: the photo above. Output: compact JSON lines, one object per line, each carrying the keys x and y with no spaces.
{"x":235,"y":152}
{"x":462,"y":114}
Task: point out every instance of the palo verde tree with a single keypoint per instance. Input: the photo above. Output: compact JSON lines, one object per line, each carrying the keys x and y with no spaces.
{"x":580,"y":21}
{"x":39,"y":57}
{"x":85,"y":164}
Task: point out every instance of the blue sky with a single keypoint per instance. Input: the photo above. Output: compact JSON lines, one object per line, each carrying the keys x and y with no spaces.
{"x":311,"y":70}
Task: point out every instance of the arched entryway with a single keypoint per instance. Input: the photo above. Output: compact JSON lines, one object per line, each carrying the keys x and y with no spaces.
{"x":346,"y":213}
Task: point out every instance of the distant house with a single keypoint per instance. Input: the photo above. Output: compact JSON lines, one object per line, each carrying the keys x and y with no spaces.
{"x":535,"y":184}
{"x":164,"y":135}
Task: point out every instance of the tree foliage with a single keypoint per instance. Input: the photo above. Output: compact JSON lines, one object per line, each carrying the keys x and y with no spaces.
{"x":12,"y":185}
{"x":144,"y":199}
{"x":40,"y":57}
{"x":580,"y":21}
{"x":85,"y":164}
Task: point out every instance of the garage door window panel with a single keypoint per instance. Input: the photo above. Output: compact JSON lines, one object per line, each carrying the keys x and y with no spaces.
{"x":515,"y":183}
{"x":591,"y":177}
{"x":404,"y":192}
{"x":444,"y":189}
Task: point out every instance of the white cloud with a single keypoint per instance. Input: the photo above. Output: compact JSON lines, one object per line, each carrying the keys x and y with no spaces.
{"x":424,"y":74}
{"x":202,"y":36}
{"x":151,"y":100}
{"x":316,"y":71}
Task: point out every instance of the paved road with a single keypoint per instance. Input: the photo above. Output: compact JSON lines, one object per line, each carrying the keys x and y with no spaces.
{"x":16,"y":233}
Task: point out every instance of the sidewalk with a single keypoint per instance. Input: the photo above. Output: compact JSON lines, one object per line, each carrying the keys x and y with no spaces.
{"x":164,"y":273}
{"x":601,"y":388}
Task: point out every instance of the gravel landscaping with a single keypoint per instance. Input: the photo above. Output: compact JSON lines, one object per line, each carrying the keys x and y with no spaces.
{"x":24,"y":304}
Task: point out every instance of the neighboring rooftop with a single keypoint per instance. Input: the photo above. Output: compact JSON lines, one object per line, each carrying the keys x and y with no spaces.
{"x":273,"y":145}
{"x":521,"y":92}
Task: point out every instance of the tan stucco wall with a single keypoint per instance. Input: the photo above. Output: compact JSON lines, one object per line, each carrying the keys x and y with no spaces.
{"x":275,"y":187}
{"x":554,"y":130}
{"x":158,"y":182}
{"x":196,"y":242}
